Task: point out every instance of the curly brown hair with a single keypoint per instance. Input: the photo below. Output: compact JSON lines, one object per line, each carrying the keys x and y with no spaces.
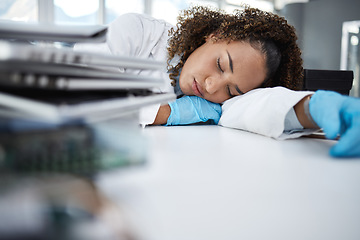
{"x":267,"y":32}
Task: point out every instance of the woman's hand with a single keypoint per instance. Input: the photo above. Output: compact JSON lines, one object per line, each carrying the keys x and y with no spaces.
{"x":338,"y":115}
{"x":193,"y":109}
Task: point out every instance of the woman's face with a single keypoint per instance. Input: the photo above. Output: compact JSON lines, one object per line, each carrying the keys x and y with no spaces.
{"x":217,"y":71}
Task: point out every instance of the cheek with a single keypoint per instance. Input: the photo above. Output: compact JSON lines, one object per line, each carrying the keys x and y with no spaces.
{"x":189,"y":66}
{"x":182,"y":81}
{"x":200,"y":60}
{"x":217,"y":98}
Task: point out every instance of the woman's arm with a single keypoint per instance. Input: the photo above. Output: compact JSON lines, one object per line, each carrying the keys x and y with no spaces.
{"x":188,"y":110}
{"x":165,"y":110}
{"x":300,"y":110}
{"x":264,"y":111}
{"x":162,"y":115}
{"x":338,"y":116}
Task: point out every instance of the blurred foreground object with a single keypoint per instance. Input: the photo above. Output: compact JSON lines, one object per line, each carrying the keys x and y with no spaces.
{"x":338,"y":115}
{"x":58,"y":207}
{"x":77,"y":148}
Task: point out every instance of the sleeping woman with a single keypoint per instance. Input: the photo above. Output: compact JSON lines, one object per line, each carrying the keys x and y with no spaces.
{"x":241,"y":70}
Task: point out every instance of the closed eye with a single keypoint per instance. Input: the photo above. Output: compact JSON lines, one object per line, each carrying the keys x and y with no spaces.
{"x":229,"y":92}
{"x":218,"y":65}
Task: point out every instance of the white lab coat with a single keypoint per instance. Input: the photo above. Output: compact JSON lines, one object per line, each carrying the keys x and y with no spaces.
{"x":264,"y":111}
{"x":137,"y":35}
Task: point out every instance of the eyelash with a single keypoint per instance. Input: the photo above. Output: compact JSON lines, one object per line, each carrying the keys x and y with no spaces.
{"x":218,"y":65}
{"x":229,"y":92}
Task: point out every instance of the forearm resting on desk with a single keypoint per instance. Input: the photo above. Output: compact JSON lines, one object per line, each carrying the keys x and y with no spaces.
{"x":300,"y":111}
{"x":162,"y":115}
{"x":188,"y":110}
{"x":165,"y":110}
{"x":338,"y":116}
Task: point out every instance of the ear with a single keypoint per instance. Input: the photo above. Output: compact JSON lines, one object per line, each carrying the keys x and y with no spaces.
{"x":211,"y":38}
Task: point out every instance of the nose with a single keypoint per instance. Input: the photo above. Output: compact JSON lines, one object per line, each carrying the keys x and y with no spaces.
{"x":212,"y":84}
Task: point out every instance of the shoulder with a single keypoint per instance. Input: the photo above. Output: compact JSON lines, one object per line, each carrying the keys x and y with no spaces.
{"x":131,"y":20}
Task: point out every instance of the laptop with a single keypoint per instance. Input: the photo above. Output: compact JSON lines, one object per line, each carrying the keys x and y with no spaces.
{"x":52,"y":84}
{"x":46,"y":54}
{"x":28,"y":66}
{"x":52,"y":32}
{"x":70,"y":77}
{"x":91,"y":106}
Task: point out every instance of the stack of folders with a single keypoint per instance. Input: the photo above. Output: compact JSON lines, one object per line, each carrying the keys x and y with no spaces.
{"x":52,"y":99}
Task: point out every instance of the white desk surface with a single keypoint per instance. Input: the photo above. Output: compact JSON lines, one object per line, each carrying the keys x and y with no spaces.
{"x":212,"y":183}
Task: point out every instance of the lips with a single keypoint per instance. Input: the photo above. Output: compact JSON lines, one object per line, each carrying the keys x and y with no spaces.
{"x":196,"y":89}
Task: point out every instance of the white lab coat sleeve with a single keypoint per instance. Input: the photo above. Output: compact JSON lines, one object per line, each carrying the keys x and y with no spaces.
{"x":133,"y":35}
{"x":141,"y":36}
{"x":265,"y":111}
{"x":138,"y":35}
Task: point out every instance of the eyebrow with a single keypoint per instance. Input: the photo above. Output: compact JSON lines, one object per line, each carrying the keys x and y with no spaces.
{"x":232,"y":70}
{"x":230,"y":62}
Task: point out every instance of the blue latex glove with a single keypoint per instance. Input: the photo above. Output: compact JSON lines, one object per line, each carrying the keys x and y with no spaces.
{"x":193,"y":109}
{"x":338,"y":115}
